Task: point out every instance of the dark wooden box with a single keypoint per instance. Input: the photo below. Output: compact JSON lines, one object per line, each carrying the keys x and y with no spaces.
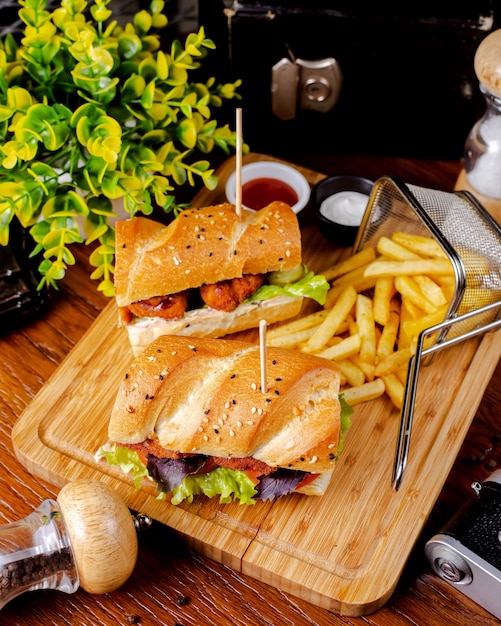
{"x":408,"y":88}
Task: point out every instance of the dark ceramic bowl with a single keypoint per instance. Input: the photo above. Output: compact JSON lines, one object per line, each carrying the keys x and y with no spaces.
{"x":338,"y":212}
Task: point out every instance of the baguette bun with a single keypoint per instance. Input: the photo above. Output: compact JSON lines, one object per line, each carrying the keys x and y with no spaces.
{"x":202,"y":246}
{"x":209,"y":322}
{"x":203,"y":396}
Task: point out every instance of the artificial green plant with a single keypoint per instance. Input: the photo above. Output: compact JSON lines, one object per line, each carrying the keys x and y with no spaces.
{"x":92,"y":112}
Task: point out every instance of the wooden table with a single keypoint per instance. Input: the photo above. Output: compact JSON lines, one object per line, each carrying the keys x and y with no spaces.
{"x":171,"y":584}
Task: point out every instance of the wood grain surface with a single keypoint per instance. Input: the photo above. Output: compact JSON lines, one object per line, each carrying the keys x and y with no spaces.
{"x":173,"y":584}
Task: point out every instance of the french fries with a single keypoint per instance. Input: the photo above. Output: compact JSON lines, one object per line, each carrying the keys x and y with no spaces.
{"x":380,"y":300}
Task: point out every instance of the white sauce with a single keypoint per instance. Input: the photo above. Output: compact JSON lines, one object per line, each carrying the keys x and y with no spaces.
{"x":345,"y":207}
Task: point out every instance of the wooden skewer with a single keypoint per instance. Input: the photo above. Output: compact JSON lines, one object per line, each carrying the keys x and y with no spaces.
{"x":238,"y":170}
{"x":262,"y":355}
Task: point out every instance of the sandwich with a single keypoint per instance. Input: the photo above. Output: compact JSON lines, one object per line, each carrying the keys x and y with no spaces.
{"x":210,"y":272}
{"x":190,"y":415}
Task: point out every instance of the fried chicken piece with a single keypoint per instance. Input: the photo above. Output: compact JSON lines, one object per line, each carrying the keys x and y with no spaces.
{"x":167,"y":307}
{"x":228,"y":294}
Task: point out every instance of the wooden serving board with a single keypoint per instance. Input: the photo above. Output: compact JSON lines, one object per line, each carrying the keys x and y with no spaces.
{"x":344,"y":551}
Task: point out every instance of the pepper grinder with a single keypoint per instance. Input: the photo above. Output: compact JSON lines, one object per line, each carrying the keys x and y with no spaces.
{"x":481,"y":174}
{"x":86,"y":538}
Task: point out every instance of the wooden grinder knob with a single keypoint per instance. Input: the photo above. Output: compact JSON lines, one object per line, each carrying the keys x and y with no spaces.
{"x":102,"y":534}
{"x":487,"y":63}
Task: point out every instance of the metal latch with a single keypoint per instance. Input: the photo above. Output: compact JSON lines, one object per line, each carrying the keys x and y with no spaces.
{"x":308,"y":85}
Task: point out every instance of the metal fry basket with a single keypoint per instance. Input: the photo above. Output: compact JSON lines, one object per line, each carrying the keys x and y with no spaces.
{"x":471,"y":239}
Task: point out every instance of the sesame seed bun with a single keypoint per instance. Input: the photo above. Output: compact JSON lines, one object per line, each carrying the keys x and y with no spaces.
{"x":203,"y":396}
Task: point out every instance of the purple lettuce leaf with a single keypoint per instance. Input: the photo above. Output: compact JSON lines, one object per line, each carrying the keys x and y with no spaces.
{"x":278,"y":483}
{"x":169,"y":473}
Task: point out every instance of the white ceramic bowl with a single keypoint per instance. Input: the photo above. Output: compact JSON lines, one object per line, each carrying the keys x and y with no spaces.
{"x":272,"y":169}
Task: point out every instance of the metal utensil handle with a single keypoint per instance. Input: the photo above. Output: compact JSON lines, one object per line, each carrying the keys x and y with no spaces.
{"x":407,"y":414}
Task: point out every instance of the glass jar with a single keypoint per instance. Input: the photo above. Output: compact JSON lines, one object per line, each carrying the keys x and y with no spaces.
{"x":36,"y":553}
{"x":482,"y":160}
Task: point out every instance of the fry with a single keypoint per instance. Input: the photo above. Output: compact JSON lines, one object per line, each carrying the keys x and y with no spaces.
{"x":409,"y":268}
{"x":364,"y":257}
{"x":360,"y":284}
{"x":431,"y":290}
{"x":351,"y":277}
{"x":365,"y":392}
{"x":410,"y":289}
{"x":302,"y":323}
{"x":367,"y":368}
{"x":292,"y":339}
{"x":395,"y":251}
{"x":383,"y":292}
{"x":334,"y":319}
{"x":388,"y":339}
{"x":412,"y":328}
{"x":365,"y":321}
{"x":424,"y":246}
{"x":379,"y":301}
{"x":342,"y":350}
{"x":394,"y":389}
{"x":354,"y":375}
{"x":393,"y":362}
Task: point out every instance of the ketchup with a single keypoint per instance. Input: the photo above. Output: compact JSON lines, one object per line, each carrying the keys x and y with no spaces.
{"x":259,"y":192}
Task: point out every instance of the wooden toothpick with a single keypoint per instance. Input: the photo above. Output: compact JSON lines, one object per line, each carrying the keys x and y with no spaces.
{"x":262,"y":355}
{"x":238,"y":170}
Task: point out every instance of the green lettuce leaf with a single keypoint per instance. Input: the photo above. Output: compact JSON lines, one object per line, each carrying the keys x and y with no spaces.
{"x":311,"y":285}
{"x":222,"y":482}
{"x":128,"y":461}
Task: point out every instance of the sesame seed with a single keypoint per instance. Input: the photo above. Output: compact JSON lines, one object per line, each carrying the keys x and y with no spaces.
{"x":249,"y":423}
{"x":239,"y":424}
{"x":314,"y":459}
{"x":227,"y":405}
{"x":260,"y":411}
{"x":253,"y":410}
{"x":206,"y":438}
{"x":173,"y":353}
{"x":186,"y":271}
{"x":331,"y":445}
{"x":232,"y":433}
{"x":254,"y":386}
